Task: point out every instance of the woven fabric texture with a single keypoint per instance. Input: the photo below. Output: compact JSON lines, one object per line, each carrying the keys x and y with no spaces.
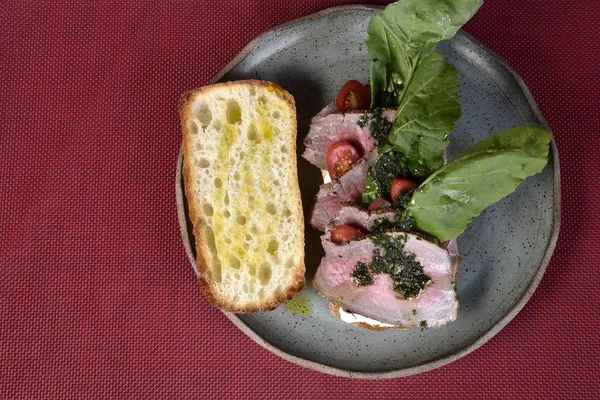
{"x":97,"y":297}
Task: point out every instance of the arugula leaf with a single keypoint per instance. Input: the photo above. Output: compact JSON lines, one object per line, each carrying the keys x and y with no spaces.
{"x":426,"y":115}
{"x":404,"y":33}
{"x":424,"y":119}
{"x":482,"y":175}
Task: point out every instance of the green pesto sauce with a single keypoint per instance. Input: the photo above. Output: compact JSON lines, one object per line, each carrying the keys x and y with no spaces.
{"x":389,"y":258}
{"x":382,"y":224}
{"x":405,"y":222}
{"x":378,"y":125}
{"x":402,"y":222}
{"x":299,"y":305}
{"x":388,"y":99}
{"x":361,"y":275}
{"x":389,"y":166}
{"x":363,"y":120}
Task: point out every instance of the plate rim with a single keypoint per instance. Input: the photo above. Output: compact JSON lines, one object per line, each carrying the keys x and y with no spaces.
{"x":428,"y":366}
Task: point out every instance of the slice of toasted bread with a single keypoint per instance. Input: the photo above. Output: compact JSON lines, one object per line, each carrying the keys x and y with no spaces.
{"x":241,"y":183}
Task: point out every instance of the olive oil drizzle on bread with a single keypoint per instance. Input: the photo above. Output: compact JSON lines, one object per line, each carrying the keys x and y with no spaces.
{"x":242,"y":187}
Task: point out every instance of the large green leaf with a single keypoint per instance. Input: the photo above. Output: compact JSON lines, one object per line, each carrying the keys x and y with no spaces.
{"x":482,"y":175}
{"x":405,"y":32}
{"x":427,"y":114}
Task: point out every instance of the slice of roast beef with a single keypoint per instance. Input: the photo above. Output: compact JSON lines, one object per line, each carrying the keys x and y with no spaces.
{"x":331,"y":126}
{"x":435,"y":306}
{"x":358,"y":217}
{"x":329,"y":109}
{"x":347,"y":189}
{"x":354,"y":215}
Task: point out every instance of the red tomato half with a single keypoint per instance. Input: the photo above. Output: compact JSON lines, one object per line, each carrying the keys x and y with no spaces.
{"x":353,"y":96}
{"x":340,"y":157}
{"x":345,"y":233}
{"x":376,"y":204}
{"x":402,"y":184}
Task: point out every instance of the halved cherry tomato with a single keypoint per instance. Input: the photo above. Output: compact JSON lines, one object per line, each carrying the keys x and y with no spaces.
{"x":345,"y":233}
{"x":402,"y":184}
{"x":340,"y":157}
{"x":353,"y":96}
{"x":376,"y":204}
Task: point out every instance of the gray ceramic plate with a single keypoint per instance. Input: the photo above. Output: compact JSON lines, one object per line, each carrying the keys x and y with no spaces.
{"x":506,"y":249}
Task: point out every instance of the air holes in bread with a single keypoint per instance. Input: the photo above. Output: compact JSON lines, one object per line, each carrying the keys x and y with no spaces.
{"x":208,"y":210}
{"x":218,"y":183}
{"x":251,"y":134}
{"x":202,"y":163}
{"x":289,"y":263}
{"x":271,"y":208}
{"x":193,"y":127}
{"x":215,"y":267}
{"x":240,"y":219}
{"x":234,"y":262}
{"x":276,"y":114}
{"x":233,"y":112}
{"x":264,"y":273}
{"x":215,"y":272}
{"x":209,"y":237}
{"x":203,"y":115}
{"x":273,"y":247}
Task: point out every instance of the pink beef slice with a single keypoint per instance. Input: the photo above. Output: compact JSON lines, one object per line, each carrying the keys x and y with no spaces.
{"x":331,"y":126}
{"x":347,"y":189}
{"x":358,"y":217}
{"x":436,"y":305}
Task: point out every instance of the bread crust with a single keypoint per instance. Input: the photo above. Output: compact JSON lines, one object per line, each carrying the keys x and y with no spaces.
{"x":203,"y":257}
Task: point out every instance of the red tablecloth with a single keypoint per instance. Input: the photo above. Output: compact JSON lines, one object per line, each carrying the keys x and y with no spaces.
{"x":97,"y":297}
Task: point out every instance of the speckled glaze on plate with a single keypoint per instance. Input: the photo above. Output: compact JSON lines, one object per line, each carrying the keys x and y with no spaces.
{"x":505,"y":250}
